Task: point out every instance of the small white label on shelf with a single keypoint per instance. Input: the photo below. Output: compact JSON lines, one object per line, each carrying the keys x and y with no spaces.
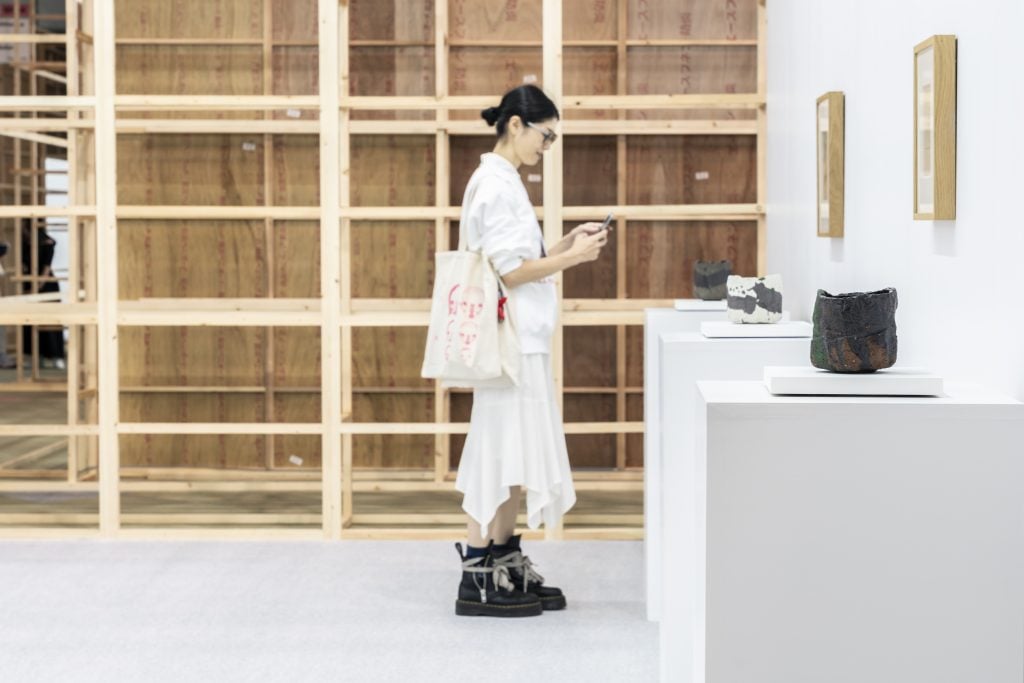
{"x":294,"y":459}
{"x":530,"y":78}
{"x":248,"y":146}
{"x":294,"y":113}
{"x":701,"y":175}
{"x":533,"y":178}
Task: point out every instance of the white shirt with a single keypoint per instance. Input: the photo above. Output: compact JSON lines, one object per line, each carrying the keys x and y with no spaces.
{"x":499,"y":220}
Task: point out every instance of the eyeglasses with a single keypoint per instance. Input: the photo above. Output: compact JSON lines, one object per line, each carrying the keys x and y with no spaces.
{"x":549,"y":135}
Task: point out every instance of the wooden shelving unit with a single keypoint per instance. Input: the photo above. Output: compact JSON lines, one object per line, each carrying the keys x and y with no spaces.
{"x":257,"y":206}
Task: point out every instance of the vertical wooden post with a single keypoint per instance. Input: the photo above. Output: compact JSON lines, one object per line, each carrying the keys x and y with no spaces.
{"x":762,"y":139}
{"x":620,"y":236}
{"x":88,"y":236}
{"x":552,"y":57}
{"x":19,"y":245}
{"x":269,"y":440}
{"x":330,"y":272}
{"x":74,"y":242}
{"x":33,"y":168}
{"x":343,"y":189}
{"x":106,"y":258}
{"x":442,"y":185}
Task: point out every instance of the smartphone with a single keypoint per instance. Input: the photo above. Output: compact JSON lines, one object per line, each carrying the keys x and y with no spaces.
{"x":607,"y":225}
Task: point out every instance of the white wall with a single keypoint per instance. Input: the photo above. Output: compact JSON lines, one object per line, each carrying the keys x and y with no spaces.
{"x":960,"y":283}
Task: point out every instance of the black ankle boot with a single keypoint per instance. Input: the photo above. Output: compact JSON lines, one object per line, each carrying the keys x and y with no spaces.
{"x":524,"y":577}
{"x":487,"y":591}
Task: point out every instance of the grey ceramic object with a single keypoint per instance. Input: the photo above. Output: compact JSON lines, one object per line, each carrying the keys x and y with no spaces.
{"x":854,"y":332}
{"x":755,"y":299}
{"x":710,"y":278}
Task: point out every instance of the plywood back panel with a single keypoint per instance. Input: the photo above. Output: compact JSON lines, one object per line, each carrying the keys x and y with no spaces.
{"x":388,"y":357}
{"x":168,"y":259}
{"x":294,"y":19}
{"x":495,"y":20}
{"x":392,"y":170}
{"x":711,"y":19}
{"x":589,"y":356}
{"x":464,"y":158}
{"x":590,"y":19}
{"x":692,"y":169}
{"x":590,"y":450}
{"x":296,"y":358}
{"x":246,"y":451}
{"x":296,"y":259}
{"x":661,"y":254}
{"x":391,"y":19}
{"x":392,"y":259}
{"x":192,"y":356}
{"x":207,"y":19}
{"x":190,"y":169}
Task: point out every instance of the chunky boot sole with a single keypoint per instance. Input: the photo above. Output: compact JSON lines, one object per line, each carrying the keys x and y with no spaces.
{"x":467,"y":608}
{"x":555,"y":602}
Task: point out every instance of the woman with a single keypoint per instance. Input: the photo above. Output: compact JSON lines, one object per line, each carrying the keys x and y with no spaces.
{"x":515,"y":436}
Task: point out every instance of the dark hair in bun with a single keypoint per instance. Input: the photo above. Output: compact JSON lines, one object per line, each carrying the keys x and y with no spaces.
{"x":528,"y":102}
{"x":491,"y":115}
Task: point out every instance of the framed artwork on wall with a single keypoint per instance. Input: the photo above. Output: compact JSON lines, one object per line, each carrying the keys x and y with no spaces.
{"x":830,"y":148}
{"x":935,"y":129}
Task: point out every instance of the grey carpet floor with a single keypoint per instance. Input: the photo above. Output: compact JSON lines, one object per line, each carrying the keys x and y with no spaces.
{"x":307,"y":611}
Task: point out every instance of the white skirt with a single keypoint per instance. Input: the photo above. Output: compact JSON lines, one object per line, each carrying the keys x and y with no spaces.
{"x":516,"y":439}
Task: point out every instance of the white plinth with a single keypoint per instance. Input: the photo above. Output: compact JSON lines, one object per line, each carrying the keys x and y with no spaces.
{"x":700,"y":305}
{"x":810,"y":381}
{"x":658,"y":321}
{"x":683,"y":359}
{"x":729,"y":330}
{"x":854,"y":539}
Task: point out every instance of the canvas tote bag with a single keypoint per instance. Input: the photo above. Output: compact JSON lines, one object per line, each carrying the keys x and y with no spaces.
{"x":471,"y":341}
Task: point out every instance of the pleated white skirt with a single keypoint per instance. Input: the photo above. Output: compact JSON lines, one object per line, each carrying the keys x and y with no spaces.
{"x":516,"y":439}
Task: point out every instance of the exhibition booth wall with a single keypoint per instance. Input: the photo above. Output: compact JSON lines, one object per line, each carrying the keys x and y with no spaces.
{"x":956,"y":278}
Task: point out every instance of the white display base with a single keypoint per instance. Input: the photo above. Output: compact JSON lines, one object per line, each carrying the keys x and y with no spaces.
{"x":700,"y":305}
{"x":727,"y":330}
{"x":853,"y":539}
{"x":810,"y":381}
{"x":659,"y":321}
{"x":670,"y":406}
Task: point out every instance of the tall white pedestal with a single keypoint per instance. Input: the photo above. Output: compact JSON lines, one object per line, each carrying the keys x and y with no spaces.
{"x":686,"y":359}
{"x":658,"y":321}
{"x":854,"y":539}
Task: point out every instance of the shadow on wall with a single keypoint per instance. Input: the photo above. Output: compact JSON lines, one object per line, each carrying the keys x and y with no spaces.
{"x":944,"y":238}
{"x":837,"y":250}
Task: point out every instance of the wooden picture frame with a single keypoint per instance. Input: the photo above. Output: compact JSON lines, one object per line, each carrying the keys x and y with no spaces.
{"x":830,"y":165}
{"x":935,"y":129}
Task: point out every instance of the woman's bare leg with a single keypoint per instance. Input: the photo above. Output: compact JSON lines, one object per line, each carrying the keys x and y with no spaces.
{"x":502,"y":526}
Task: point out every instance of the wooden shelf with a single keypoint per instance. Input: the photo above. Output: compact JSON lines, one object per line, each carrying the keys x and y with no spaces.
{"x":398,"y":100}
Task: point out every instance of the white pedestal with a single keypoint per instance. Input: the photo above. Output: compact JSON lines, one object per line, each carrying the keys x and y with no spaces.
{"x":658,"y":321}
{"x":785,"y":328}
{"x":853,"y":539}
{"x":700,"y":305}
{"x":685,"y":358}
{"x":807,"y":380}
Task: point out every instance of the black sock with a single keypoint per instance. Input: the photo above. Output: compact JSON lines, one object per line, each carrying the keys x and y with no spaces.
{"x":475,"y":552}
{"x":499,"y":550}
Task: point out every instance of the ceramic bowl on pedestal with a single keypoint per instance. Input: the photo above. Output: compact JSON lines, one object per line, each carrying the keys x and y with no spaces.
{"x":854,"y":332}
{"x":710,"y":278}
{"x":755,"y":299}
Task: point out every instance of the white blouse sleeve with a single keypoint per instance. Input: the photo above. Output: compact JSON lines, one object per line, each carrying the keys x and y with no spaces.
{"x":504,"y":238}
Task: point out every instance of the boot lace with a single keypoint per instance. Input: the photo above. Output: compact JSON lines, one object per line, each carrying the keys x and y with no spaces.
{"x":502,"y":580}
{"x":516,"y":560}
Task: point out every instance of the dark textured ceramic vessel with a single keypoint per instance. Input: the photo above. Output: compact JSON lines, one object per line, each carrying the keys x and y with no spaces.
{"x":854,"y":332}
{"x":709,"y":278}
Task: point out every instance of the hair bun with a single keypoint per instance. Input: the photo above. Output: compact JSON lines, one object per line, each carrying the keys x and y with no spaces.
{"x":491,"y":115}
